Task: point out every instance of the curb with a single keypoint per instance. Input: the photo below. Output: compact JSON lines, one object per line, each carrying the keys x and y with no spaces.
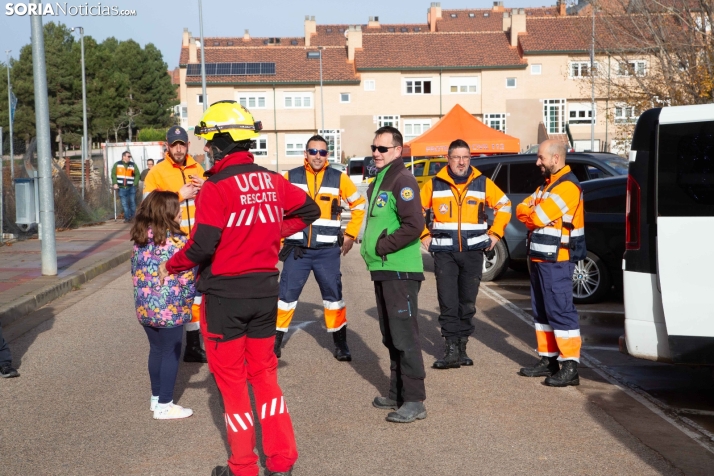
{"x":23,"y":306}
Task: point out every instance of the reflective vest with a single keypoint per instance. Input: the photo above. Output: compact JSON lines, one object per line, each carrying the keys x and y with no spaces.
{"x":124,"y":173}
{"x":323,"y":232}
{"x":566,"y":232}
{"x":459,"y":222}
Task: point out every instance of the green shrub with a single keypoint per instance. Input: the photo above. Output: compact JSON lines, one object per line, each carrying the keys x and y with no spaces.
{"x":151,"y":135}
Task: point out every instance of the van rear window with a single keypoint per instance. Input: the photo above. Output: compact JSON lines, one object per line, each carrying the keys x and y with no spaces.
{"x":685,"y":169}
{"x":355,"y":167}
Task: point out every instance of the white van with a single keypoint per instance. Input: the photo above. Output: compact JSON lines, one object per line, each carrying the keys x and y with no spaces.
{"x":669,"y":257}
{"x":355,"y":169}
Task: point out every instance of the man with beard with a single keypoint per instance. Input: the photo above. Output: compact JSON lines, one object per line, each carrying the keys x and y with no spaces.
{"x":180,"y":173}
{"x":556,"y":241}
{"x":459,"y":236}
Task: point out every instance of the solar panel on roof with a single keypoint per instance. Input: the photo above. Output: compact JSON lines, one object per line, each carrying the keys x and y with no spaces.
{"x":293,"y":42}
{"x":232,"y":69}
{"x":211,"y":69}
{"x":223,"y":69}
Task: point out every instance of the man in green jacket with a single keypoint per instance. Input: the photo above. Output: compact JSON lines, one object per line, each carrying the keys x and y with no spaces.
{"x":391,"y":251}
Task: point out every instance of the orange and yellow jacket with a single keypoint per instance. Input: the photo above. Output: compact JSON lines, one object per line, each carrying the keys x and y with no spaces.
{"x":328,"y":187}
{"x":459,"y":211}
{"x":554,"y":215}
{"x":168,"y":176}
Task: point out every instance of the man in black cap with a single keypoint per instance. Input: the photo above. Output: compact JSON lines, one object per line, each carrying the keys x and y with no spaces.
{"x":181,"y":174}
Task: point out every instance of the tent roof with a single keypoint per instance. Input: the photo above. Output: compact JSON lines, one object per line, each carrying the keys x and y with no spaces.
{"x":459,"y":124}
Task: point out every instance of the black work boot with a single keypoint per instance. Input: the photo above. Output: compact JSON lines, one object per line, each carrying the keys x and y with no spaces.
{"x":545,"y":367}
{"x":342,"y":352}
{"x":567,"y":375}
{"x":281,"y":473}
{"x":408,"y":412}
{"x":463,"y":358}
{"x":221,"y":471}
{"x":194,"y":352}
{"x":278,"y":342}
{"x":385,"y":403}
{"x":451,"y":355}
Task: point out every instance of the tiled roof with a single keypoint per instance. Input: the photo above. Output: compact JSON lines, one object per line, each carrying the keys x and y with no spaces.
{"x":334,"y":35}
{"x":238,"y":42}
{"x":459,"y":50}
{"x":569,"y":34}
{"x":291,"y":65}
{"x":482,"y":20}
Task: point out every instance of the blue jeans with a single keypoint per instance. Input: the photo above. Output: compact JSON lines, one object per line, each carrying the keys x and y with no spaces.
{"x":127,"y":195}
{"x":5,"y":356}
{"x":164,"y":351}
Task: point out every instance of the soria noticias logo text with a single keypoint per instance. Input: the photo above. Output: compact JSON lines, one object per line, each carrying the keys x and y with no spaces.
{"x":57,"y":9}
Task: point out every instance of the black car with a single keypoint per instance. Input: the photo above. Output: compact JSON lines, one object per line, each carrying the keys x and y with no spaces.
{"x":518,"y":177}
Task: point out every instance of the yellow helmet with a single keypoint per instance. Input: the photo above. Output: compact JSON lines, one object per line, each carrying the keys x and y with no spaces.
{"x":228,"y":117}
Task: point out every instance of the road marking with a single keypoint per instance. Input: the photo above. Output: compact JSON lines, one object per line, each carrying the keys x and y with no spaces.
{"x":690,"y":428}
{"x":591,"y":311}
{"x":601,"y":347}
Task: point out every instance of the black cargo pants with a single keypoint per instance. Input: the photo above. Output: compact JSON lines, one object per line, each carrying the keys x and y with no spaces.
{"x":397,"y":307}
{"x":458,"y":276}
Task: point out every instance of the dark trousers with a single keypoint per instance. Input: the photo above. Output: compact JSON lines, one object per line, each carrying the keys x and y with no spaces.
{"x":127,"y":195}
{"x":458,"y":276}
{"x":164,"y":352}
{"x":5,"y":356}
{"x":397,"y":307}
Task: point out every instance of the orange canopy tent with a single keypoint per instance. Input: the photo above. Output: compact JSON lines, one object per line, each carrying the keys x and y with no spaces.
{"x":459,"y":124}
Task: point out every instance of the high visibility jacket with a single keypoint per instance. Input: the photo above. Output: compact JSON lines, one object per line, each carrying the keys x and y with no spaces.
{"x":168,"y":176}
{"x":459,"y":211}
{"x":123,"y":174}
{"x":328,"y":187}
{"x":554,"y":215}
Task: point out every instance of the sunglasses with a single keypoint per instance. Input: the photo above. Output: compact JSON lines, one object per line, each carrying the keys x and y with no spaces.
{"x":382,"y":149}
{"x":322,"y":152}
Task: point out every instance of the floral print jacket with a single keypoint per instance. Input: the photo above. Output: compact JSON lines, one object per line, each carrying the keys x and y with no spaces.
{"x":161,"y":305}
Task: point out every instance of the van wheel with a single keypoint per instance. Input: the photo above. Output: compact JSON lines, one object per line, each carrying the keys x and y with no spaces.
{"x":494,"y":268}
{"x":591,"y":281}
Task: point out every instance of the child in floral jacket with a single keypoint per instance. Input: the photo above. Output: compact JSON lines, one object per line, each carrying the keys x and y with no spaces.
{"x":162,"y":308}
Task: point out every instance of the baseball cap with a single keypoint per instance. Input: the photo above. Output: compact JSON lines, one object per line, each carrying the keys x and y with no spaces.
{"x":175,"y":134}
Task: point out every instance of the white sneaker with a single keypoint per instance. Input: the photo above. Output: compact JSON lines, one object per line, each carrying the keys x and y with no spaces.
{"x":153,"y":402}
{"x":170,"y":411}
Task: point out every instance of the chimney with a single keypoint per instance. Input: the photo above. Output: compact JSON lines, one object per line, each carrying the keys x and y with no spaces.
{"x":354,"y":41}
{"x":246,"y":35}
{"x":310,"y":28}
{"x":433,"y":15}
{"x":506,"y":21}
{"x":562,"y":8}
{"x":518,"y":25}
{"x":186,"y":36}
{"x":373,"y":22}
{"x":192,"y":53}
{"x":498,"y":7}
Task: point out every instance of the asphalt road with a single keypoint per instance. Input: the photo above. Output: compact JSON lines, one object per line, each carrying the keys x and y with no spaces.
{"x":81,"y":404}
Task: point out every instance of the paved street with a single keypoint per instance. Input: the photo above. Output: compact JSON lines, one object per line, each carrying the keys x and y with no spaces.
{"x":81,"y":404}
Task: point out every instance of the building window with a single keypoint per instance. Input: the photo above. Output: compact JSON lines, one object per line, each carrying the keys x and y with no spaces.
{"x":184,"y":112}
{"x":252,"y":101}
{"x":580,"y":113}
{"x":200,"y":99}
{"x":510,"y":83}
{"x":495,"y":121}
{"x":344,"y":97}
{"x":632,"y":68}
{"x":463,"y":84}
{"x":536,"y":69}
{"x":298,"y":101}
{"x":554,"y":115}
{"x":625,"y":114}
{"x":295,"y":144}
{"x":334,"y":143}
{"x":581,"y":69}
{"x":261,"y":146}
{"x":417,"y":86}
{"x":388,"y":121}
{"x":369,"y":85}
{"x":415,"y":127}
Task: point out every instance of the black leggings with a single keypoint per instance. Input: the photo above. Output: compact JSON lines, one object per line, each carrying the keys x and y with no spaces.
{"x":164,"y":352}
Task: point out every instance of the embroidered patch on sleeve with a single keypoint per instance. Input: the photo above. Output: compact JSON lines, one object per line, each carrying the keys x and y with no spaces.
{"x":407,"y":194}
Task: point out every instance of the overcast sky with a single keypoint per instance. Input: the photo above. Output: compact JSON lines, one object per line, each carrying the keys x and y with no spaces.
{"x":161,"y":22}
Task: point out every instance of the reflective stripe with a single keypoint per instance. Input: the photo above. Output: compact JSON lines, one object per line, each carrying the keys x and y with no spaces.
{"x":198,"y":299}
{"x":301,"y":185}
{"x":542,"y":215}
{"x":146,"y":194}
{"x":544,"y":248}
{"x":504,"y":209}
{"x":549,"y":354}
{"x":186,"y":223}
{"x":438,"y":225}
{"x":333,"y":306}
{"x":361,"y":206}
{"x":548,"y":230}
{"x":355,"y":196}
{"x":543,"y":327}
{"x":190,"y":203}
{"x":287,"y":306}
{"x":325,"y":222}
{"x":565,"y":239}
{"x":442,"y":242}
{"x":477,"y":239}
{"x":504,"y":199}
{"x":297,"y":236}
{"x":567,"y":334}
{"x":476,"y":194}
{"x":325,"y":238}
{"x":441,"y":193}
{"x":330,"y":191}
{"x":577,"y":232}
{"x":567,"y":218}
{"x":560,"y":202}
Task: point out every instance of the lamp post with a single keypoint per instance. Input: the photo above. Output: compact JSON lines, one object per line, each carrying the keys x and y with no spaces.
{"x":592,"y":77}
{"x":84,"y":104}
{"x":10,"y":115}
{"x":203,"y":70}
{"x":318,"y":55}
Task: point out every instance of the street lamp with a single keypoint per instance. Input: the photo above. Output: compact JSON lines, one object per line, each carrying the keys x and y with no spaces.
{"x":203,"y":70}
{"x":84,"y":104}
{"x":315,"y":55}
{"x":9,"y":114}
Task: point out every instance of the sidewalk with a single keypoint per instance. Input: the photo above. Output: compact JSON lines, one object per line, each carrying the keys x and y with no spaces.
{"x":82,"y":254}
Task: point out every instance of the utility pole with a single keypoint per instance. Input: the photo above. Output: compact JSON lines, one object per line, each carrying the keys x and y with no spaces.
{"x":2,"y":176}
{"x":322,"y":98}
{"x":84,"y":107}
{"x":10,"y":115}
{"x":207,"y":160}
{"x":592,"y":78}
{"x":44,"y":149}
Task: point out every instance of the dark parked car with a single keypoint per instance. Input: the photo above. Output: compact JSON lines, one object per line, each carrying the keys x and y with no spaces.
{"x":518,"y":177}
